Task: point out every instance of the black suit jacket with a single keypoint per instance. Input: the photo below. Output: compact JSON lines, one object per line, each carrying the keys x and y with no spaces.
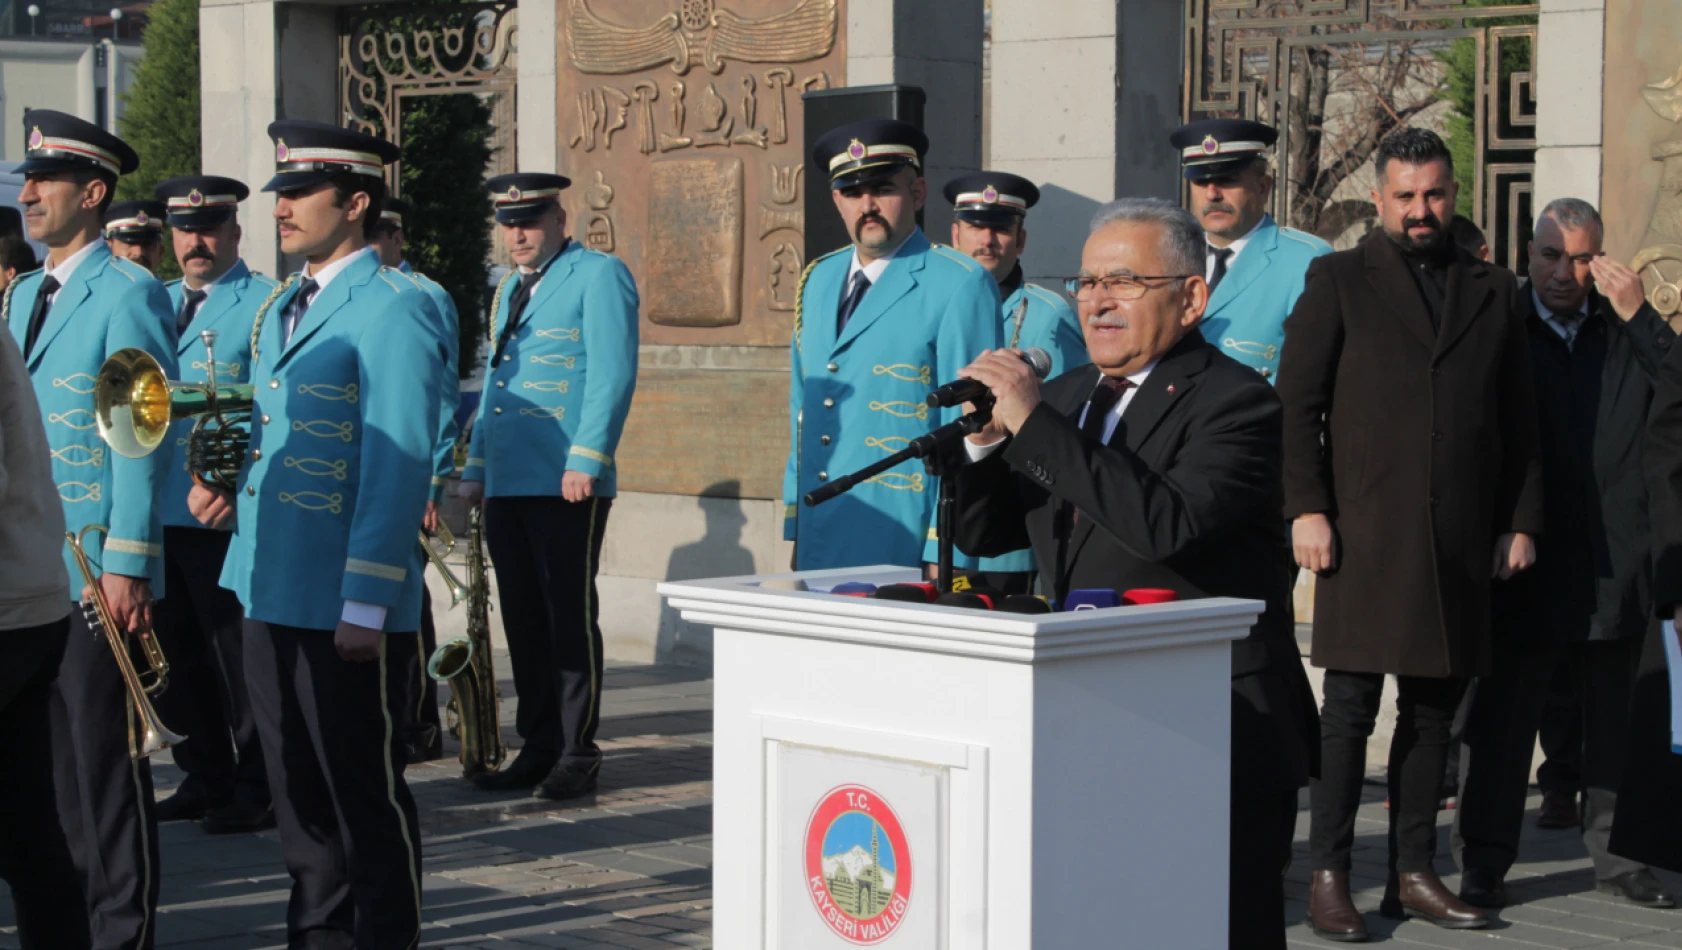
{"x":1187,"y":496}
{"x":1593,"y":564}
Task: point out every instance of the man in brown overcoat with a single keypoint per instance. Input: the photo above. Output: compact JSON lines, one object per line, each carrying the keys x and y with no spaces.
{"x":1412,"y":477}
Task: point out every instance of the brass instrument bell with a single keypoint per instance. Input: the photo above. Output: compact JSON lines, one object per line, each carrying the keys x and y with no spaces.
{"x":135,"y":404}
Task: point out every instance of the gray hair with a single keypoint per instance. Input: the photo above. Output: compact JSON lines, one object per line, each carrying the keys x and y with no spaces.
{"x":1574,"y":214}
{"x":1182,"y":237}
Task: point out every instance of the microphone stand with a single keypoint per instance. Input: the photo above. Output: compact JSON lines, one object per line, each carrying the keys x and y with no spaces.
{"x":941,"y":450}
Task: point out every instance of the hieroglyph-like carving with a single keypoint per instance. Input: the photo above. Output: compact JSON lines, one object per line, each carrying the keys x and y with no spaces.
{"x":598,"y":231}
{"x":784,"y":277}
{"x":805,"y":31}
{"x":1659,"y":262}
{"x":606,"y":109}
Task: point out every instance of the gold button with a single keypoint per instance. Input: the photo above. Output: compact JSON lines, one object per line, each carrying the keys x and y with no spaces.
{"x":274,"y":384}
{"x":251,"y":491}
{"x":1266,"y":372}
{"x":829,"y":404}
{"x":834,"y":368}
{"x":497,"y":410}
{"x":256,"y":454}
{"x":823,"y":440}
{"x":823,"y":476}
{"x":265,"y":418}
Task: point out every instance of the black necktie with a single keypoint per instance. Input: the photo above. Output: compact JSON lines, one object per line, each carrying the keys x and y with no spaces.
{"x":190,"y":300}
{"x":1222,"y":255}
{"x":300,"y":306}
{"x":522,"y":296}
{"x":1098,"y":409}
{"x":850,"y":303}
{"x":38,"y":314}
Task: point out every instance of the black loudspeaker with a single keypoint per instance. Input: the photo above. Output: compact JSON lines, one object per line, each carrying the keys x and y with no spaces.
{"x":826,"y":109}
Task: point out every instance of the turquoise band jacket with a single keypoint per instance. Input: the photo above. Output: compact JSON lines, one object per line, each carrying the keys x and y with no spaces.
{"x":330,"y":503}
{"x":109,"y":304}
{"x":229,"y":310}
{"x":449,"y":382}
{"x":557,"y":395}
{"x":859,"y":396}
{"x":1035,"y":316}
{"x":1246,"y":313}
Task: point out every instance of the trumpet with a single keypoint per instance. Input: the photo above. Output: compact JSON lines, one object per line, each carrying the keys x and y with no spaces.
{"x":135,"y":404}
{"x":465,"y":663}
{"x":437,"y":548}
{"x":154,"y":735}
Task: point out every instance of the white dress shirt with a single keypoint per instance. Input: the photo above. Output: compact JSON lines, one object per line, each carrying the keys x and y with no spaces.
{"x":1236,"y":247}
{"x":978,"y":452}
{"x":873,"y":270}
{"x":207,"y":287}
{"x":539,"y":268}
{"x":67,"y":269}
{"x":325,"y":276}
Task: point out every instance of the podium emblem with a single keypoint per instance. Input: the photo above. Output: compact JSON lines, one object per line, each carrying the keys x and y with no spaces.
{"x":858,"y":865}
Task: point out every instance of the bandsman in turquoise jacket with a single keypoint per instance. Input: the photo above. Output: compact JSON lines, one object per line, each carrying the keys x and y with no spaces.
{"x":989,"y":212}
{"x":1255,"y":268}
{"x":422,"y":733}
{"x":67,"y":318}
{"x":325,"y":556}
{"x":200,"y":622}
{"x":559,"y":375}
{"x":135,"y":232}
{"x":878,"y":326}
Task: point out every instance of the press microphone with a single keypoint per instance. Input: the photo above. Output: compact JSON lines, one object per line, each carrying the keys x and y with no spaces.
{"x":853,"y":589}
{"x":910,"y":593}
{"x":1091,"y":598}
{"x":976,"y":599}
{"x":960,"y":391}
{"x":1025,"y":604}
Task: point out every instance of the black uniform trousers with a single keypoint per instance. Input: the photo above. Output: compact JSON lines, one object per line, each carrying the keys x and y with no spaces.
{"x":104,"y":797}
{"x":1501,"y":738}
{"x":349,"y":831}
{"x":1418,"y":754}
{"x":34,"y":857}
{"x":1561,"y":735}
{"x":421,"y":727}
{"x":200,"y":627}
{"x":546,"y":551}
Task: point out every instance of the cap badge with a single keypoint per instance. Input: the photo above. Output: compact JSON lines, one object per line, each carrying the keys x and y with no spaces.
{"x":855,"y":150}
{"x":990,"y":194}
{"x":513,"y":194}
{"x":35,"y":138}
{"x":280,"y":150}
{"x":1210,"y":145}
{"x":194,"y":199}
{"x":141,"y":219}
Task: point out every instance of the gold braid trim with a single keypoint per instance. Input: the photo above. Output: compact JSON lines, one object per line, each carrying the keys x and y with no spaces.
{"x":263,"y":311}
{"x":6,"y":301}
{"x":496,"y":305}
{"x":800,"y":293}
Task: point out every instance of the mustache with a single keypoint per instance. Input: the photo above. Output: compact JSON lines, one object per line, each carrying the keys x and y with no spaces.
{"x":866,"y":218}
{"x":1429,"y":221}
{"x":1219,"y":206}
{"x":1119,"y":323}
{"x":198,"y":254}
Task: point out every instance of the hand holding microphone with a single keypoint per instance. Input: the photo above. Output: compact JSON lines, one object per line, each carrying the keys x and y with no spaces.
{"x":1012,"y":377}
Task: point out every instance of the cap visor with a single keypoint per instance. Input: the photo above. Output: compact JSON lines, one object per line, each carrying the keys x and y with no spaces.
{"x":866,"y":175}
{"x":197,"y":219}
{"x":517,"y":215}
{"x":989,"y":219}
{"x":294,"y":181}
{"x":50,"y":166}
{"x":1225,"y":166}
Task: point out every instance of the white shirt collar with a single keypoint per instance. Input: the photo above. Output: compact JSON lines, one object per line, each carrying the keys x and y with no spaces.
{"x":1236,"y":247}
{"x":207,"y":288}
{"x":1136,"y":378}
{"x":67,"y":269}
{"x":873,"y":270}
{"x":325,"y":276}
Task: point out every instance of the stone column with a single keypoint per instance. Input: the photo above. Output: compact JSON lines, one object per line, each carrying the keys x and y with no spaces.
{"x":934,"y":44}
{"x":536,"y":100}
{"x":1569,"y":40}
{"x":260,"y":61}
{"x":1084,"y":97}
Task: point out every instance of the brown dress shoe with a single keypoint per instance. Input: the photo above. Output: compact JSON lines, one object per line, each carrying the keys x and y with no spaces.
{"x":1331,"y":913}
{"x":1422,"y":894}
{"x":1559,"y":810}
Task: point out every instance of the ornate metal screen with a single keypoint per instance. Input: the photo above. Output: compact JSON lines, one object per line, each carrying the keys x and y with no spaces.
{"x":1335,"y":75}
{"x":388,"y":53}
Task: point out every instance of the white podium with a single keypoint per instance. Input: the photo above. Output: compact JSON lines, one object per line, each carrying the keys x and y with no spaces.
{"x":912,"y":776}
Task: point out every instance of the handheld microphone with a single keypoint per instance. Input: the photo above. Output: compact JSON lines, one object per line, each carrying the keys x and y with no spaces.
{"x":960,"y":391}
{"x":1091,"y":598}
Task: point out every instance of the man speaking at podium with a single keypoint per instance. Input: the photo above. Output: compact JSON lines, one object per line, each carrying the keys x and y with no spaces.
{"x":1158,"y":465}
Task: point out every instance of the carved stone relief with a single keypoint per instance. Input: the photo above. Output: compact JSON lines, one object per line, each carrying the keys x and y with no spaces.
{"x":682,"y":119}
{"x":1659,"y":262}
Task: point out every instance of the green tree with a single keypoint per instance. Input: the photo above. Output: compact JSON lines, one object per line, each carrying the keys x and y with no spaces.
{"x":161,"y":110}
{"x":446,"y":146}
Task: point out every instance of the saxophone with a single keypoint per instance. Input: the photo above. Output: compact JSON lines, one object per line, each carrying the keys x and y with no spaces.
{"x":465,"y":663}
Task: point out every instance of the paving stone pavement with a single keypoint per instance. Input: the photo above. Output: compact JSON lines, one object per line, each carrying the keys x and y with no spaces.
{"x":631,"y":866}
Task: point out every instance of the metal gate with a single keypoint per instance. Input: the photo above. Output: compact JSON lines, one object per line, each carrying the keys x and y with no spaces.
{"x":1333,"y":76}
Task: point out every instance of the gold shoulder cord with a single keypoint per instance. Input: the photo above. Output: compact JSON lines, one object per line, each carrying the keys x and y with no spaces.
{"x":263,"y":311}
{"x":1021,"y":311}
{"x":800,"y":301}
{"x":496,"y":305}
{"x":6,"y":301}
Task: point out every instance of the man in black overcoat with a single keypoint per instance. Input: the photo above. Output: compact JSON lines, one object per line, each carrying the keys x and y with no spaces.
{"x":1585,"y":605}
{"x":1412,"y":477}
{"x":1158,"y":466}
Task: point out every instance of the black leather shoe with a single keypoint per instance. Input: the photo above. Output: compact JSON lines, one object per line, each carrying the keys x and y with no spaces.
{"x":425,"y":744}
{"x":524,"y":772}
{"x":566,"y":781}
{"x":180,"y":807}
{"x":1482,"y":887}
{"x":238,"y":817}
{"x":1637,"y":887}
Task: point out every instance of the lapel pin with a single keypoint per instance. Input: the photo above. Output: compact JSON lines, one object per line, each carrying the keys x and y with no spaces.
{"x":1170,"y":389}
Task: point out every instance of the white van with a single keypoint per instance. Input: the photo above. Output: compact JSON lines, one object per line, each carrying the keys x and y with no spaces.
{"x":11,"y":210}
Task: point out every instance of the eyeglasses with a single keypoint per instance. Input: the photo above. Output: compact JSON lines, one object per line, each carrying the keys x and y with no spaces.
{"x":1120,"y":288}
